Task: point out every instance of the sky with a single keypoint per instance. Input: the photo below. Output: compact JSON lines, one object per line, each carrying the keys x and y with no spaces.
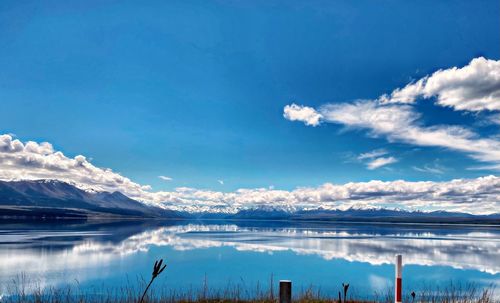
{"x":238,"y":103}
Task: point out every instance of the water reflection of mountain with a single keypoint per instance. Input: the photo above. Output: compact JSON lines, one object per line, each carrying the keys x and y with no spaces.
{"x":61,"y":235}
{"x":37,"y":247}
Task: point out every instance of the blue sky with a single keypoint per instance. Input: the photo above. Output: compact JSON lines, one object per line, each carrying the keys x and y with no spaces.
{"x":195,"y":90}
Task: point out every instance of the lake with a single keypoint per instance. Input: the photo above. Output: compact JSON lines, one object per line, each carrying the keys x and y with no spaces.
{"x":248,"y":253}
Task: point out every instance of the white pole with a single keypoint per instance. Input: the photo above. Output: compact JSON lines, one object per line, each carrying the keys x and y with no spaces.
{"x":399,"y":281}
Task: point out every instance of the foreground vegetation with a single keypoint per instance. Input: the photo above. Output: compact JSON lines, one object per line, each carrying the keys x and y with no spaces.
{"x":73,"y":293}
{"x":22,"y":290}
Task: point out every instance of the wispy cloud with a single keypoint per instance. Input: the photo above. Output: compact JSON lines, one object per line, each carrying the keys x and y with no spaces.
{"x":375,"y":159}
{"x":493,"y":119}
{"x":373,"y":154}
{"x":399,"y":123}
{"x":379,"y":162}
{"x":165,"y":178}
{"x":430,"y":168}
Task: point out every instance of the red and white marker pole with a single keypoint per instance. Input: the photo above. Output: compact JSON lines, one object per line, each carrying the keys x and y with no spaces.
{"x":399,"y":282}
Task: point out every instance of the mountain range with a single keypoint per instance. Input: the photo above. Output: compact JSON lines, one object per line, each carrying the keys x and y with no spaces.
{"x":58,"y":199}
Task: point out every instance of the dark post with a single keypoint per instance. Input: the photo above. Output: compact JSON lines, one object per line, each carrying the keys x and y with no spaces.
{"x":285,"y":291}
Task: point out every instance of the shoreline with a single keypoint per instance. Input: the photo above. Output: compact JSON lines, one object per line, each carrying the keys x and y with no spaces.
{"x":262,"y":293}
{"x":40,"y":219}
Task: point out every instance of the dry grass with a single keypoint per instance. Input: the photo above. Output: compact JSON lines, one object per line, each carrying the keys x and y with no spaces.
{"x":22,"y":290}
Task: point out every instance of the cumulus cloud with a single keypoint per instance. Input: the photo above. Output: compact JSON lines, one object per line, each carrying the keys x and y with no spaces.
{"x":165,"y":178}
{"x":306,"y":114}
{"x":32,"y":160}
{"x":382,"y":161}
{"x":474,"y":87}
{"x":478,"y":196}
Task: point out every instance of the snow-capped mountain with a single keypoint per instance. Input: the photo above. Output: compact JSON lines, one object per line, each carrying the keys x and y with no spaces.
{"x":43,"y":195}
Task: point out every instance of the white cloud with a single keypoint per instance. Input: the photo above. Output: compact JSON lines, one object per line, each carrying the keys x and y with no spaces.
{"x":33,"y":160}
{"x":432,"y":169}
{"x":372,"y":154}
{"x":399,"y":123}
{"x":165,"y":178}
{"x":379,"y":162}
{"x":306,"y":114}
{"x":492,"y":119}
{"x":378,"y":283}
{"x":221,"y":182}
{"x":474,"y":87}
{"x":374,"y":159}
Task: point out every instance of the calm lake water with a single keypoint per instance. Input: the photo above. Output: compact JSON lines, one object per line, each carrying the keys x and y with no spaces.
{"x":111,"y":254}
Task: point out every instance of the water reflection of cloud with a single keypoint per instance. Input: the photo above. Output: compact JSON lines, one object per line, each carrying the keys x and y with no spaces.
{"x":475,"y":250}
{"x":378,"y":283}
{"x":468,"y":249}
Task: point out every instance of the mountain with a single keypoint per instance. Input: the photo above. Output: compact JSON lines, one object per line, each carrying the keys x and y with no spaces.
{"x":256,"y":214}
{"x":366,"y":215}
{"x":52,"y":198}
{"x":57,"y":198}
{"x":348,"y":215}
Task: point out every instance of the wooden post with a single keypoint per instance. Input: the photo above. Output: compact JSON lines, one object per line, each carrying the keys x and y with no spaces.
{"x":285,"y":291}
{"x":398,"y":281}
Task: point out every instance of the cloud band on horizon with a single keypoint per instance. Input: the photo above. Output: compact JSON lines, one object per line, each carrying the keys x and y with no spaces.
{"x":32,"y":160}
